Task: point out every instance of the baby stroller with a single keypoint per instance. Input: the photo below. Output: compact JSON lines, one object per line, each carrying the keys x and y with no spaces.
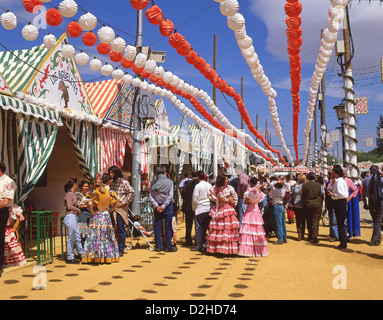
{"x":136,"y":233}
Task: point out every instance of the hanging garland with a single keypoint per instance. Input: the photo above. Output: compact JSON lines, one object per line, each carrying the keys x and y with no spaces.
{"x":293,"y":9}
{"x":184,"y":49}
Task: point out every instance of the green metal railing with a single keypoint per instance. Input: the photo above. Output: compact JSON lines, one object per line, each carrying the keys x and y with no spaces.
{"x":64,"y":238}
{"x":39,"y":238}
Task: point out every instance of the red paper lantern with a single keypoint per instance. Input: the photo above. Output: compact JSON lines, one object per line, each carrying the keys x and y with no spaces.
{"x":293,"y":51}
{"x":166,"y":27}
{"x":294,"y":32}
{"x":294,"y":22}
{"x":160,"y":83}
{"x":32,"y":6}
{"x":191,"y":57}
{"x":74,"y":30}
{"x":53,"y":17}
{"x":115,"y":56}
{"x":145,"y":74}
{"x":293,"y":9}
{"x":89,"y":39}
{"x":137,"y":70}
{"x":153,"y":78}
{"x":126,"y":63}
{"x":177,"y":40}
{"x":139,"y":4}
{"x":103,"y":48}
{"x":184,"y":50}
{"x":154,"y":15}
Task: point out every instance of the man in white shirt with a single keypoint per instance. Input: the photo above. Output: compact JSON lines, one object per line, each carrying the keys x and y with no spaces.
{"x":201,"y":206}
{"x":7,"y":194}
{"x":339,"y":194}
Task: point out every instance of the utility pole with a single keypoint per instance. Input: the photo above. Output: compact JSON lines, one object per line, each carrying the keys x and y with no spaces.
{"x":350,"y":161}
{"x":137,"y":135}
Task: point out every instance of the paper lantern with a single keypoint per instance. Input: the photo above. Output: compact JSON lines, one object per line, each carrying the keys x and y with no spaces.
{"x":294,"y":32}
{"x":30,"y":32}
{"x":136,"y":69}
{"x":103,"y":48}
{"x":53,"y":17}
{"x":150,"y":66}
{"x":117,"y":74}
{"x":293,"y":9}
{"x":115,"y":56}
{"x":294,"y":22}
{"x":89,"y":39}
{"x":229,"y":7}
{"x":184,"y":50}
{"x":246,"y":43}
{"x":127,"y":79}
{"x":82,"y":58}
{"x":68,"y":51}
{"x":126,"y":63}
{"x":95,"y":64}
{"x":140,"y":60}
{"x":154,"y":15}
{"x":236,"y":22}
{"x":145,"y":74}
{"x":136,"y":82}
{"x":118,"y":44}
{"x":130,"y":53}
{"x":329,"y":36}
{"x":336,"y":14}
{"x":32,"y":6}
{"x":191,"y":57}
{"x":159,"y":72}
{"x":240,"y":34}
{"x":50,"y":41}
{"x":8,"y":20}
{"x":333,"y":26}
{"x":106,"y":34}
{"x":339,"y":4}
{"x":166,"y":27}
{"x":139,"y":4}
{"x":68,"y":8}
{"x":88,"y":21}
{"x":177,"y":40}
{"x":107,"y":70}
{"x":74,"y":30}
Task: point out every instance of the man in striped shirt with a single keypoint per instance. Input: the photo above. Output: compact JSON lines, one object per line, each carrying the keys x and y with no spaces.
{"x":125,"y":195}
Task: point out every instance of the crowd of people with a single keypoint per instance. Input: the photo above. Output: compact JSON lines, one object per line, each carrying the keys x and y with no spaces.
{"x":231,"y":216}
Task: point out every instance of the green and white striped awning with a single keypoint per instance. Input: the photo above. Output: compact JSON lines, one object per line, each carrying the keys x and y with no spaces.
{"x":19,"y":66}
{"x":163,"y":141}
{"x":31,"y":111}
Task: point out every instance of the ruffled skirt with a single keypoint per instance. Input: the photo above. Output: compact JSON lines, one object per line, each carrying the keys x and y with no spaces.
{"x":100,"y":244}
{"x":13,"y":254}
{"x":252,"y":241}
{"x":223,"y":235}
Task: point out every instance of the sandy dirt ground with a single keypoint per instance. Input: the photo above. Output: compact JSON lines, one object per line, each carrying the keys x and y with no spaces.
{"x":295,"y":270}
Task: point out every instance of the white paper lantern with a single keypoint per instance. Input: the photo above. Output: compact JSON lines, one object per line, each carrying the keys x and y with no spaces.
{"x":106,"y":34}
{"x":130,"y":53}
{"x":87,"y":21}
{"x":140,"y":60}
{"x":117,"y":74}
{"x":8,"y":20}
{"x":95,"y":64}
{"x":68,"y":51}
{"x":82,"y":58}
{"x":245,"y":43}
{"x":151,"y":88}
{"x":329,"y":36}
{"x":248,"y":53}
{"x":118,"y":44}
{"x":236,"y":22}
{"x":167,"y":77}
{"x":127,"y":79}
{"x":49,"y":41}
{"x":327,"y":45}
{"x":68,"y":8}
{"x":30,"y":32}
{"x":333,"y":26}
{"x":339,"y":4}
{"x":144,"y":86}
{"x":150,"y":66}
{"x":157,"y":91}
{"x":107,"y":70}
{"x":159,"y":72}
{"x":229,"y":7}
{"x":336,"y":14}
{"x":324,"y":52}
{"x":240,"y":34}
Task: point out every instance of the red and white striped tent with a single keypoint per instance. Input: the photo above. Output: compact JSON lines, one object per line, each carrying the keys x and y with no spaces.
{"x":112,"y":102}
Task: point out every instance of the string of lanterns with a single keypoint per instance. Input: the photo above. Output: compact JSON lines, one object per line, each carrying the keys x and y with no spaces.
{"x":236,"y":22}
{"x":293,"y":9}
{"x":109,"y":44}
{"x":177,"y":41}
{"x":329,"y":37}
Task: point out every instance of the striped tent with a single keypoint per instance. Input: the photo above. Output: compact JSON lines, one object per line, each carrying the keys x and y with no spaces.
{"x":34,"y":135}
{"x":18,"y":67}
{"x":202,"y":148}
{"x":112,"y":102}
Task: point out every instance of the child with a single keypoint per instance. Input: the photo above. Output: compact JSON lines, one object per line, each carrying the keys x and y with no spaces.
{"x":253,"y":241}
{"x":138,"y":225}
{"x":13,"y":254}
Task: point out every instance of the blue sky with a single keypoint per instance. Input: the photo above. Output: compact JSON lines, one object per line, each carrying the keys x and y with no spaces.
{"x":199,"y":20}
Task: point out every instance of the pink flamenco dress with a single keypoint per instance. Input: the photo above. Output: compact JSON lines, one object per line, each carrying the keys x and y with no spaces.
{"x":223,"y":235}
{"x":253,"y":241}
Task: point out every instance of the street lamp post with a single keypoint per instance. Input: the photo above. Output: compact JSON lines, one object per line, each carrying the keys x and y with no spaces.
{"x":340,"y":114}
